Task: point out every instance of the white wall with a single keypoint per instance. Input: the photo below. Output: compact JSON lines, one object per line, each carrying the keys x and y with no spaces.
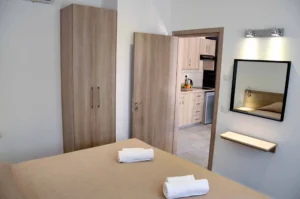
{"x":278,"y":174}
{"x":259,"y":76}
{"x":30,"y":116}
{"x":149,"y":16}
{"x":30,"y":99}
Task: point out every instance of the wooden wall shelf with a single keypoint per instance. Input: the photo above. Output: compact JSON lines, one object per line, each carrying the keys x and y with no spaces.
{"x":250,"y":141}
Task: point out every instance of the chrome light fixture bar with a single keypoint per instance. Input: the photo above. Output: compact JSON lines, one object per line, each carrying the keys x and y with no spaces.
{"x":277,"y":32}
{"x":274,"y":32}
{"x":249,"y":33}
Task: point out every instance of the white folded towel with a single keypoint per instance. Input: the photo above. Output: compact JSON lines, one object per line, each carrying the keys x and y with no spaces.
{"x":181,"y":189}
{"x":180,"y":178}
{"x":135,"y":155}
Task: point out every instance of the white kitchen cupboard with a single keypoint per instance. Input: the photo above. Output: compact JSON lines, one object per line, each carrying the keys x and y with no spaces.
{"x":208,"y":47}
{"x":191,"y":107}
{"x":189,"y":53}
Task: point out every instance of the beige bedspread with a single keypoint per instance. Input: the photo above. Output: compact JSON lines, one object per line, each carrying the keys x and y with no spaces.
{"x":96,"y":174}
{"x":267,"y":114}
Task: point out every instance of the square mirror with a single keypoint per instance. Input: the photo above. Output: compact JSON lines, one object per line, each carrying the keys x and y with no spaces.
{"x":260,"y":87}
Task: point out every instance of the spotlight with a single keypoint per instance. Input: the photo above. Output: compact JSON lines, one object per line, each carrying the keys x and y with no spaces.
{"x":276,"y":33}
{"x":250,"y":33}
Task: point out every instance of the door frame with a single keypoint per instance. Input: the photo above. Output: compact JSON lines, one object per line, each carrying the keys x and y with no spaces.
{"x":207,"y":32}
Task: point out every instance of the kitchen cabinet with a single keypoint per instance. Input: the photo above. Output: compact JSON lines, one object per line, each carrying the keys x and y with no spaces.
{"x":208,"y":47}
{"x":88,"y":76}
{"x":189,"y":53}
{"x":191,"y":107}
{"x":182,"y":109}
{"x":209,"y":65}
{"x":183,"y":53}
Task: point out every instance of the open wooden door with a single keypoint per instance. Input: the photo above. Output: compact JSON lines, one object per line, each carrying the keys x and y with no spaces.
{"x":155,"y":90}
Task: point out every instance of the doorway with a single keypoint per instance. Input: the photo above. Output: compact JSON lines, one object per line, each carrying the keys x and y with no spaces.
{"x":199,"y":67}
{"x":156,"y":95}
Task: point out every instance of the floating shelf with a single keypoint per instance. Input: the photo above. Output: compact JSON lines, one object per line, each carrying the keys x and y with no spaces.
{"x":250,"y":141}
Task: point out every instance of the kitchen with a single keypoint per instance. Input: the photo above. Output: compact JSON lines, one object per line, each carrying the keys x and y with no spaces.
{"x":197,"y":60}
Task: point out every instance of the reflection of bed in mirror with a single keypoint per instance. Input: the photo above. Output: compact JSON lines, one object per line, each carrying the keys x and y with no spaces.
{"x":260,"y":87}
{"x":265,"y":104}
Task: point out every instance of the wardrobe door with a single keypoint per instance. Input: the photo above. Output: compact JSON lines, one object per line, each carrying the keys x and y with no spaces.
{"x":67,"y":78}
{"x":84,"y":76}
{"x":106,"y":30}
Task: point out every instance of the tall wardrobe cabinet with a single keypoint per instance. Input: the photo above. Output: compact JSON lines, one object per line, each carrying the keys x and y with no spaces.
{"x":88,"y":76}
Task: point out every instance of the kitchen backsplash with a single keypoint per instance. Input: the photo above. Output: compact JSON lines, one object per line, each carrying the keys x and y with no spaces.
{"x":195,"y":75}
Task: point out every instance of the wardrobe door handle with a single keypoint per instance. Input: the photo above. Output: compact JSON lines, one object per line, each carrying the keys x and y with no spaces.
{"x":92,"y":97}
{"x":98,"y":97}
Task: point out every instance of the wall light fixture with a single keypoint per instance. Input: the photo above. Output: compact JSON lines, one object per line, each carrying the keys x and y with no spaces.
{"x":250,"y":33}
{"x":274,"y":32}
{"x":277,"y":32}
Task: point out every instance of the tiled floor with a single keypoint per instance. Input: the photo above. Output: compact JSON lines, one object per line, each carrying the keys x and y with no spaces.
{"x":193,"y":144}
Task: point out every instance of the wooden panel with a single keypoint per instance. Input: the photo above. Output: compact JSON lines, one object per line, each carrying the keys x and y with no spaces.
{"x":183,"y":53}
{"x":203,"y":47}
{"x":67,"y":77}
{"x":154,"y":89}
{"x":84,"y":76}
{"x":189,"y":109}
{"x":207,"y":32}
{"x":217,"y":94}
{"x":250,"y":141}
{"x":212,"y":47}
{"x":208,"y":47}
{"x":194,"y":53}
{"x":209,"y":65}
{"x":182,"y":109}
{"x":257,"y":99}
{"x":106,"y":30}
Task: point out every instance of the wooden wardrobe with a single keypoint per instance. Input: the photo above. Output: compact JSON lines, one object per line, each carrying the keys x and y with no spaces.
{"x":88,"y":76}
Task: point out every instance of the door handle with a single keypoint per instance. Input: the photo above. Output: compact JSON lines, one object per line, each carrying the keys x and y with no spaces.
{"x":135,"y":106}
{"x":98,"y":97}
{"x":92,"y":97}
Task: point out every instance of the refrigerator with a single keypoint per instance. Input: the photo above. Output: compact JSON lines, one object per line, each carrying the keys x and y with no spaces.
{"x":209,"y":100}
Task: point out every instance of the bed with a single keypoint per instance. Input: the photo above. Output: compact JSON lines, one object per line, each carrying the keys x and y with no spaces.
{"x":95,"y":173}
{"x":265,"y":104}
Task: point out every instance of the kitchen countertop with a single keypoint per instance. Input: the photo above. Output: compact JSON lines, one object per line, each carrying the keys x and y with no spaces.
{"x":197,"y":90}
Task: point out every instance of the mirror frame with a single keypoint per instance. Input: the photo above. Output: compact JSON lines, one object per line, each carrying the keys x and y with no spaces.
{"x":236,"y":61}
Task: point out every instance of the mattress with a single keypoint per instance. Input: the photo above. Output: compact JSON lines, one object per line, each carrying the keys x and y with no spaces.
{"x":268,"y":114}
{"x":96,"y":174}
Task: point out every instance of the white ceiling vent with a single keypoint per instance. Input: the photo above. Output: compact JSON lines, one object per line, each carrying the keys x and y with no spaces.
{"x":42,"y":1}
